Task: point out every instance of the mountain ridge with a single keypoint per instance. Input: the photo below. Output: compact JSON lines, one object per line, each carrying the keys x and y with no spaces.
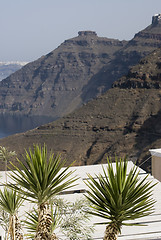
{"x":54,"y":87}
{"x":79,"y":70}
{"x":123,"y":121}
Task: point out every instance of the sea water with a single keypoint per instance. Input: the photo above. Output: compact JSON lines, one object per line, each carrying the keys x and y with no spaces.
{"x":11,"y":124}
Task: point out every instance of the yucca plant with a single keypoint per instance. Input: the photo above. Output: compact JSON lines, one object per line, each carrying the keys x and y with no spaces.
{"x":10,"y":201}
{"x":31,"y":222}
{"x":5,"y":155}
{"x":118,"y":197}
{"x":39,"y":179}
{"x":72,"y":218}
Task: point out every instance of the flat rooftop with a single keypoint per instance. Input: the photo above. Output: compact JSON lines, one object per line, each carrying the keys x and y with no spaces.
{"x":152,"y":228}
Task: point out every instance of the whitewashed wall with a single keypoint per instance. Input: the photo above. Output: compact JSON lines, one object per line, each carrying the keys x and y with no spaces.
{"x":152,"y":230}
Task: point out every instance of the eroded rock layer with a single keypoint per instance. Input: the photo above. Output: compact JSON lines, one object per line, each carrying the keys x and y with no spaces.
{"x":126,"y":120}
{"x":79,"y":70}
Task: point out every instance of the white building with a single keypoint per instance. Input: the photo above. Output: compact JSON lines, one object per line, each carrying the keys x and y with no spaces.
{"x":156,"y":163}
{"x":152,"y":230}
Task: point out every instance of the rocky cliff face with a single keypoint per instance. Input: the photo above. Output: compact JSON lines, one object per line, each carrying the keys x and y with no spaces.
{"x":143,"y":43}
{"x":126,"y":120}
{"x":146,"y":75}
{"x":79,"y":70}
{"x":53,"y":84}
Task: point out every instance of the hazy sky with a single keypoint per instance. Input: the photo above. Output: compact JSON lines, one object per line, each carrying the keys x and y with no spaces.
{"x":32,"y":28}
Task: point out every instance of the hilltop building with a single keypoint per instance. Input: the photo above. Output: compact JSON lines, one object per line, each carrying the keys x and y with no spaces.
{"x":156,"y":18}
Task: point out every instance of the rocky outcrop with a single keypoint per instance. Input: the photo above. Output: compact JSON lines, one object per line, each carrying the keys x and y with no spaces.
{"x":143,"y":43}
{"x":146,"y":75}
{"x":87,"y":33}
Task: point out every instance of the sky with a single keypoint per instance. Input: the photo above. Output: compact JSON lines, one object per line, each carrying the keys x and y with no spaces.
{"x":32,"y":28}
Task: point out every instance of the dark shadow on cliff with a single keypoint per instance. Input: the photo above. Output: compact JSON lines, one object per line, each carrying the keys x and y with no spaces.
{"x":103,"y":80}
{"x":149,"y":136}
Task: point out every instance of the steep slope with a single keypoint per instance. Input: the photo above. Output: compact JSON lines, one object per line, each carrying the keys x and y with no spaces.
{"x":53,"y":84}
{"x":141,"y":45}
{"x":77,"y":71}
{"x":126,"y":120}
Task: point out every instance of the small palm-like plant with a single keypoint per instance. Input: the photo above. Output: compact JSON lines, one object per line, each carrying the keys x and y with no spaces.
{"x":10,"y":201}
{"x":118,"y":198}
{"x":39,"y":179}
{"x":5,"y":155}
{"x":72,"y":218}
{"x":31,"y":222}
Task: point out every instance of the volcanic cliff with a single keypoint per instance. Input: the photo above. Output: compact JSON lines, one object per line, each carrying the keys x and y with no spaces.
{"x":126,"y":120}
{"x":52,"y":85}
{"x":79,"y":70}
